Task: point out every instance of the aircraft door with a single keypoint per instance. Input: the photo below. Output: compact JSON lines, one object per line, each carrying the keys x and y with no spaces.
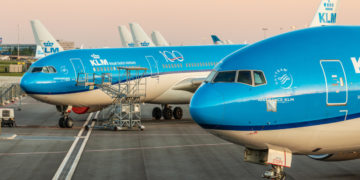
{"x":335,"y":81}
{"x":78,"y":66}
{"x":153,"y":64}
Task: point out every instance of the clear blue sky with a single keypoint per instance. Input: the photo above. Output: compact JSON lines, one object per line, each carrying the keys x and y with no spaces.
{"x":94,"y":22}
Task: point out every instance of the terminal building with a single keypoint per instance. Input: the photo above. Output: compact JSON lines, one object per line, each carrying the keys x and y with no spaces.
{"x":12,"y":49}
{"x":30,"y":49}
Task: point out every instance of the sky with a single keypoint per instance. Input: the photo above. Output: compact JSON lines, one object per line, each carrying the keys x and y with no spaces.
{"x":182,"y":22}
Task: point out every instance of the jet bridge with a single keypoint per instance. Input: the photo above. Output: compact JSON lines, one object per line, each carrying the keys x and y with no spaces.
{"x":127,"y":89}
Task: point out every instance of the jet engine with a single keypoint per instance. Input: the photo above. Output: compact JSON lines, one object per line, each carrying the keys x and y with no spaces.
{"x":341,"y":156}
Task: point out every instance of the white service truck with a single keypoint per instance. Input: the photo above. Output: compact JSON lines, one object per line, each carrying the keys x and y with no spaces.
{"x":7,"y":117}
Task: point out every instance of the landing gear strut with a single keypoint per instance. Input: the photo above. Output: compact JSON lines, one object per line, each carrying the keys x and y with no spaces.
{"x":65,"y":121}
{"x":167,"y":112}
{"x":275,"y":173}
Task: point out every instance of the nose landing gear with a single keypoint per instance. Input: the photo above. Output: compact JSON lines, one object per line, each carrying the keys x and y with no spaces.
{"x":65,"y":121}
{"x":277,"y":157}
{"x":275,"y":173}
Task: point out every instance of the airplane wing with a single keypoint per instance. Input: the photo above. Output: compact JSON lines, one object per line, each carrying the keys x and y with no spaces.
{"x":189,"y":84}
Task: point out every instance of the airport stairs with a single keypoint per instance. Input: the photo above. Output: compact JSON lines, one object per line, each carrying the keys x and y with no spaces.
{"x":125,"y":110}
{"x":10,"y":93}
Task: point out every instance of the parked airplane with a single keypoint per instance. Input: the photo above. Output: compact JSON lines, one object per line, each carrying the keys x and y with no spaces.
{"x":173,"y":75}
{"x":300,"y":95}
{"x":44,"y":39}
{"x":125,"y":36}
{"x":158,"y":39}
{"x":140,"y":37}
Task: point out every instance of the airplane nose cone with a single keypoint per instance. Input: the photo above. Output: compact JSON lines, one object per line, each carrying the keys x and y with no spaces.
{"x":27,"y":84}
{"x":206,"y":106}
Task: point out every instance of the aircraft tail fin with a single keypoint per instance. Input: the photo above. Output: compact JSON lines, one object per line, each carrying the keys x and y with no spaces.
{"x":326,"y":13}
{"x":125,"y":36}
{"x":216,"y":39}
{"x":140,"y":37}
{"x":158,"y":39}
{"x":44,"y":39}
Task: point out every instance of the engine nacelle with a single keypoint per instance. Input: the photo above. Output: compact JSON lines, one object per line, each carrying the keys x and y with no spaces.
{"x":83,"y":110}
{"x":341,"y":156}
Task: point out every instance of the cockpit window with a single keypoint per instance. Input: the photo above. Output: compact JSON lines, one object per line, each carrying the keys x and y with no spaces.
{"x":210,"y":77}
{"x":259,"y":78}
{"x":37,"y":69}
{"x":45,"y":69}
{"x":245,"y":77}
{"x":225,"y":76}
{"x":51,"y":69}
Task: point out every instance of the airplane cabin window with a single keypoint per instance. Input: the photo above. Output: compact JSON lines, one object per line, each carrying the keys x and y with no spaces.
{"x":259,"y":78}
{"x":225,"y":76}
{"x":245,"y":77}
{"x":37,"y":69}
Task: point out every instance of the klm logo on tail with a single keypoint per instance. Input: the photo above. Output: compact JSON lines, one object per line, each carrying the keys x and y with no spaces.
{"x":330,"y":15}
{"x":327,"y":18}
{"x":329,"y":6}
{"x":48,"y":48}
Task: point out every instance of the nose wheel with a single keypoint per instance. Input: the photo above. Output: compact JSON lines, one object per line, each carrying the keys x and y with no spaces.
{"x":65,"y":121}
{"x":275,"y":173}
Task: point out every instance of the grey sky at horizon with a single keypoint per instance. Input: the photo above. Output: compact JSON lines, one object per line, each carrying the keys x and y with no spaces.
{"x":188,"y":22}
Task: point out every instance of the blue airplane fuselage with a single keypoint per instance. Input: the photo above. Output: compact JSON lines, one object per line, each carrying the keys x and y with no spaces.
{"x":163,"y":64}
{"x":312,"y":81}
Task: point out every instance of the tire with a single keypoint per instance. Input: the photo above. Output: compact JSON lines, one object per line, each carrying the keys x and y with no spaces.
{"x":178,"y":113}
{"x":62,"y":122}
{"x":69,"y":122}
{"x":156,"y":113}
{"x":167,"y":113}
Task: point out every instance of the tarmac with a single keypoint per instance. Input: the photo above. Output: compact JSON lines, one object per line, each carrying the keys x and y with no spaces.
{"x":171,"y":149}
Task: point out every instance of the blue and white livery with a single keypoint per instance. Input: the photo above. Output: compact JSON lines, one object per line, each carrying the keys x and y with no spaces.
{"x":296,"y":93}
{"x":173,"y":75}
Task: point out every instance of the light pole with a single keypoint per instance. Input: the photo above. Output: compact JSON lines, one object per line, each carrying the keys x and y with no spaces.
{"x":265,"y":29}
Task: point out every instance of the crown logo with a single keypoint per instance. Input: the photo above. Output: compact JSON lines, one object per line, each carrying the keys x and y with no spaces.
{"x":48,"y":44}
{"x":95,"y":56}
{"x":329,"y":5}
{"x":144,"y":43}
